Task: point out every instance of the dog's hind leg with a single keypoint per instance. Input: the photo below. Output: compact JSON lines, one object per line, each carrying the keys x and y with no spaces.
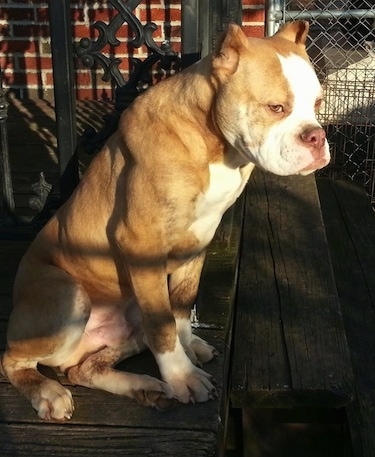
{"x":97,"y":372}
{"x":45,"y":326}
{"x":49,"y":398}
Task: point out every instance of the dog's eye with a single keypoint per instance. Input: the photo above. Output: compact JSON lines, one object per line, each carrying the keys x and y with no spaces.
{"x":276,"y":108}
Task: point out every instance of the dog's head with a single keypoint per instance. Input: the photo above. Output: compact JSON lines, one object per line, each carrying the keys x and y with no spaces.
{"x":267,"y":96}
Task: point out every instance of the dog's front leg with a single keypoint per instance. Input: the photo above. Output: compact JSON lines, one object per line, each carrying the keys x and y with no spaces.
{"x":183,"y":290}
{"x":189,"y":383}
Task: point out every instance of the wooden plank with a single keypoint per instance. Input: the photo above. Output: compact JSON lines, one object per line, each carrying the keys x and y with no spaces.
{"x":23,"y":440}
{"x":290,"y":347}
{"x":185,"y":425}
{"x":350,"y":225}
{"x":22,"y":181}
{"x":32,"y":132}
{"x":36,"y":115}
{"x":220,"y":271}
{"x":34,"y":159}
{"x":122,"y":411}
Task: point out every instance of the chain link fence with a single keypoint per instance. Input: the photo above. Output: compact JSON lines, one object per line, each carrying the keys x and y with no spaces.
{"x":342,"y":48}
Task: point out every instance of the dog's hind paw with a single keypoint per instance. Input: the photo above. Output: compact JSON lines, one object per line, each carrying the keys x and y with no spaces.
{"x":153,"y":392}
{"x":204,"y":352}
{"x":155,"y":398}
{"x":53,"y":402}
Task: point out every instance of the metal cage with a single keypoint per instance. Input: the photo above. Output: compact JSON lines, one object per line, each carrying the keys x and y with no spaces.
{"x":342,"y":48}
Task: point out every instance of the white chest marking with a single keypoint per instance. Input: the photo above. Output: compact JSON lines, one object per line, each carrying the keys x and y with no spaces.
{"x":226,"y":184}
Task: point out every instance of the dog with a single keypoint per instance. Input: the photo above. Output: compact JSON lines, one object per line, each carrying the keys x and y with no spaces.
{"x":116,"y":269}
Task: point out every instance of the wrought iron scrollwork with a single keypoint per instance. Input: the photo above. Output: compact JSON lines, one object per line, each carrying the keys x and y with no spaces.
{"x":91,"y":52}
{"x":9,"y":220}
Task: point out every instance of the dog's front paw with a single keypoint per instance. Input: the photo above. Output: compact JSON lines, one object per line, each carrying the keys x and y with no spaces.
{"x":189,"y":383}
{"x":193,"y":386}
{"x":52,"y":401}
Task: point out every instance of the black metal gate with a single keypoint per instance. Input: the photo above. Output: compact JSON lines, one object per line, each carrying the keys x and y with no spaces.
{"x":201,"y":22}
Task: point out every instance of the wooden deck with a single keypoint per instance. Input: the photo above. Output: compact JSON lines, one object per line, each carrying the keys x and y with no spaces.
{"x":105,"y":424}
{"x":109,"y":425}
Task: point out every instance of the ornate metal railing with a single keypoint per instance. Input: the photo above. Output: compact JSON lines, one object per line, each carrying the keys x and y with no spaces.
{"x":7,"y":186}
{"x":193,"y":24}
{"x":41,"y":189}
{"x":91,"y":52}
{"x":201,"y":21}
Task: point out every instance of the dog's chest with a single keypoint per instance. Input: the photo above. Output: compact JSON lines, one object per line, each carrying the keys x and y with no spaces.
{"x":226,"y":184}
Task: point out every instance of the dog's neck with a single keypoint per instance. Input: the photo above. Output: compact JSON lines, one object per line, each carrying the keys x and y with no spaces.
{"x":186,"y":100}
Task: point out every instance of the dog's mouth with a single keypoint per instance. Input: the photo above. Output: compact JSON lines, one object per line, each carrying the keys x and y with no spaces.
{"x":242,"y":147}
{"x":285,"y":167}
{"x":317,"y":164}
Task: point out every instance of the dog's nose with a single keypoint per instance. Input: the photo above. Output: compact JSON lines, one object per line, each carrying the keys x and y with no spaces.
{"x":314,"y":137}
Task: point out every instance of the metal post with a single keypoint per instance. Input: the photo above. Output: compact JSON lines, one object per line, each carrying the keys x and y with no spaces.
{"x":62,"y":59}
{"x":7,"y":186}
{"x":190,"y":36}
{"x":274,"y":15}
{"x":232,"y":11}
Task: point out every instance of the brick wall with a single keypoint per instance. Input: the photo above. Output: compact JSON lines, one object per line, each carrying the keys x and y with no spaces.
{"x":253,"y":17}
{"x":25,"y":50}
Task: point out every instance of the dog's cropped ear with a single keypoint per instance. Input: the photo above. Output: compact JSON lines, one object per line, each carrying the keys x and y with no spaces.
{"x":296,"y":31}
{"x":226,"y":56}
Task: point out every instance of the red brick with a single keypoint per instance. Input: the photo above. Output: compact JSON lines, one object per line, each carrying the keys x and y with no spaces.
{"x":48,"y":78}
{"x":17,"y":14}
{"x":175,"y":31}
{"x":7,"y":62}
{"x":94,"y":94}
{"x":32,"y":21}
{"x":93,"y":15}
{"x":102,"y":14}
{"x":77,"y":15}
{"x":254,"y":31}
{"x":31,"y":30}
{"x":176,"y":47}
{"x":5,"y":31}
{"x":83,"y":78}
{"x":35,"y":62}
{"x":20,"y":46}
{"x":24,"y":79}
{"x":7,"y":79}
{"x":160,"y":14}
{"x":253,"y":2}
{"x":253,"y":16}
{"x":124,"y":32}
{"x":41,"y":15}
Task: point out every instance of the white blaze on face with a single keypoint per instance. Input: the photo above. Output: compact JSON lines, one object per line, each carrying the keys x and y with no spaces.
{"x":282,"y":147}
{"x":304,"y":85}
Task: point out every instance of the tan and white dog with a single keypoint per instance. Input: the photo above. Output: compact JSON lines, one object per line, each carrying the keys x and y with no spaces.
{"x":117,"y":268}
